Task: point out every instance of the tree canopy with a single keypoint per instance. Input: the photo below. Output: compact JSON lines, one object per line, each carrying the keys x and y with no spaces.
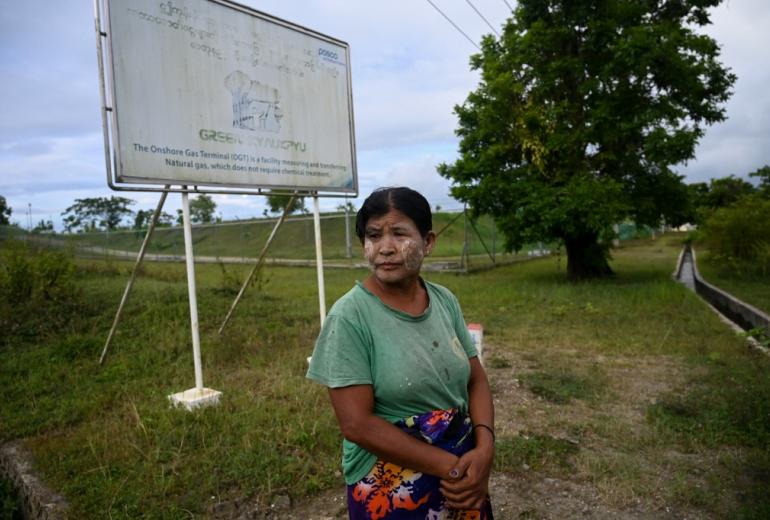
{"x":202,"y":210}
{"x":276,"y":202}
{"x":43,"y":226}
{"x":706,"y":197}
{"x":90,"y":213}
{"x":143,"y":218}
{"x":725,"y":191}
{"x":582,"y":109}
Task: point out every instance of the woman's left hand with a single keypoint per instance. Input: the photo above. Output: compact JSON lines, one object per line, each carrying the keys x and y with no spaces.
{"x":469,"y":490}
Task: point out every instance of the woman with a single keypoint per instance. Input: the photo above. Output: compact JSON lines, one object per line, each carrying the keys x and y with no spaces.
{"x":405,"y":382}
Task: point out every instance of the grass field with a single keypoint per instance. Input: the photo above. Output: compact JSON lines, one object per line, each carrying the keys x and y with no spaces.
{"x":628,"y":390}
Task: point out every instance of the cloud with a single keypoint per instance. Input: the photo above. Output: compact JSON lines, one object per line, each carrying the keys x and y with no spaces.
{"x":49,"y":68}
{"x":409,"y":69}
{"x":741,"y":143}
{"x":39,"y":165}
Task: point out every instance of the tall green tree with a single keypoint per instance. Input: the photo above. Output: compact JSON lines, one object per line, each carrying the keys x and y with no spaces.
{"x":726,"y":191}
{"x":5,"y":212}
{"x":90,"y":213}
{"x":582,"y":109}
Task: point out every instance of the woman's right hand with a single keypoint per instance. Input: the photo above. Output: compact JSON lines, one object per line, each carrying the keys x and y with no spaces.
{"x":470,"y":488}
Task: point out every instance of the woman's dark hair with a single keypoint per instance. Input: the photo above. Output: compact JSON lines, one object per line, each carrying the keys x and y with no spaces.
{"x":406,"y":200}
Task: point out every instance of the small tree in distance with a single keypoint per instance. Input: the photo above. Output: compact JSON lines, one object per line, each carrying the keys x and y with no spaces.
{"x":43,"y":226}
{"x":142,"y":218}
{"x":347,"y":206}
{"x":89,"y":213}
{"x":276,"y":202}
{"x":582,"y":109}
{"x":202,"y":210}
{"x":5,"y":212}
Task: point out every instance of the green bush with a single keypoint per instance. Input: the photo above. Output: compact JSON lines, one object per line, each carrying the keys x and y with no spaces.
{"x":37,"y":290}
{"x":738,"y":236}
{"x":693,"y":236}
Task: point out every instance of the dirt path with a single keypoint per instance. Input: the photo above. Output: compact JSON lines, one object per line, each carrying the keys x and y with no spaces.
{"x":617,"y":469}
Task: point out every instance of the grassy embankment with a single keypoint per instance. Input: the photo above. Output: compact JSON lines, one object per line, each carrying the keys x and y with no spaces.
{"x":753,"y":289}
{"x":295,"y":239}
{"x":630,"y":384}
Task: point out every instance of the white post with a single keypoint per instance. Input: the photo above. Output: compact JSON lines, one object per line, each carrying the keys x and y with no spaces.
{"x":319,"y":259}
{"x":198,"y":396}
{"x":188,"y":253}
{"x":348,"y":248}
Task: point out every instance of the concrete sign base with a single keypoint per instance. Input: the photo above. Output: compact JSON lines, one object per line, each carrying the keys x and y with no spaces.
{"x":195,"y":398}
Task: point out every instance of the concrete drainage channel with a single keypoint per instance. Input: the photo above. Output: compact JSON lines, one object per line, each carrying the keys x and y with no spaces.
{"x":35,"y":499}
{"x":739,"y":315}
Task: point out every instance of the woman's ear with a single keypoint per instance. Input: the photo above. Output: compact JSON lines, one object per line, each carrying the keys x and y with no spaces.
{"x":430,"y":242}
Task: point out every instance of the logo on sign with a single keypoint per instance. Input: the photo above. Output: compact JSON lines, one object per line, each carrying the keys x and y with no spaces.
{"x":329,"y":55}
{"x":255,"y":104}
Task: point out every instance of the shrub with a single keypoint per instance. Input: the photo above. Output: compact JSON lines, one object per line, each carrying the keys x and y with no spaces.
{"x":36,"y":290}
{"x":738,"y":236}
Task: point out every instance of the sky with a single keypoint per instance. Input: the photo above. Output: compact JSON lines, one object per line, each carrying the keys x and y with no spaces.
{"x":409,"y":68}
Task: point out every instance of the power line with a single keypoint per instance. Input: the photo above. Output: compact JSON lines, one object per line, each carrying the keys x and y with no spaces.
{"x":509,"y":5}
{"x":482,"y":17}
{"x":454,"y":24}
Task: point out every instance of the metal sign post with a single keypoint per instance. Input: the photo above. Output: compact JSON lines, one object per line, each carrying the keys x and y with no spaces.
{"x":348,"y":247}
{"x":260,"y":262}
{"x":319,"y":259}
{"x":198,"y":396}
{"x":140,"y":256}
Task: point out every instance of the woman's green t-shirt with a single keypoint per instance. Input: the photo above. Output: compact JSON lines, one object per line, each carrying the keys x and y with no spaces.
{"x":415,"y":364}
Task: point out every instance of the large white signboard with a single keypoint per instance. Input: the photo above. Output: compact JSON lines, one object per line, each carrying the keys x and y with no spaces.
{"x":211,"y":93}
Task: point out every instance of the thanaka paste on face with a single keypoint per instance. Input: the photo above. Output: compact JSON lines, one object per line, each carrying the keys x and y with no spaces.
{"x":412,"y":254}
{"x":369,"y":253}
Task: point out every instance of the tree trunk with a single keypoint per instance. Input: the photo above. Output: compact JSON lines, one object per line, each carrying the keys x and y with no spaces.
{"x":586,"y":257}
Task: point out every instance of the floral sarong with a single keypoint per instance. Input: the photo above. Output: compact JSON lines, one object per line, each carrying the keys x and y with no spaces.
{"x":391,"y":492}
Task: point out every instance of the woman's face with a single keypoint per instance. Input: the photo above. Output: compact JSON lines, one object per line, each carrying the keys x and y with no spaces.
{"x":394,"y":247}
